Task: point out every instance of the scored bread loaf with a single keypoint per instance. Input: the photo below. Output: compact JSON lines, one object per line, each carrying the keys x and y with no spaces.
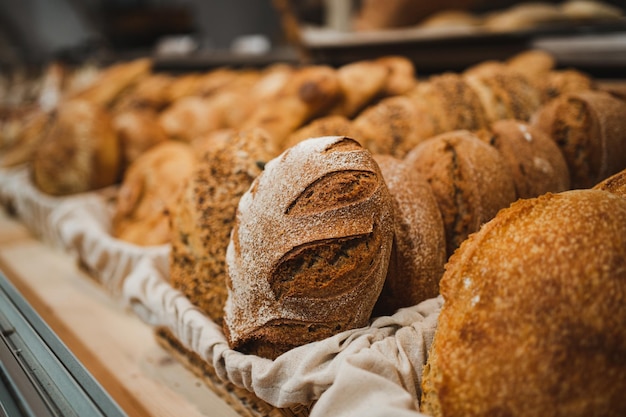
{"x":469,"y":179}
{"x":533,"y":313}
{"x":310,"y":247}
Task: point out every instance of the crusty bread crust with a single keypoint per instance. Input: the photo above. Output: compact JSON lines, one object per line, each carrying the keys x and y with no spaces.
{"x":534,"y":307}
{"x":419,"y":248}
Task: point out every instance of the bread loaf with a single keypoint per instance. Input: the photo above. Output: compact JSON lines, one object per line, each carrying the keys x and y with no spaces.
{"x":204,"y":216}
{"x":533,"y":314}
{"x":590,"y":129}
{"x":80,"y":151}
{"x":310,"y":248}
{"x":615,"y":184}
{"x":149,"y":189}
{"x":534,"y":160}
{"x":469,"y":179}
{"x":418,"y":253}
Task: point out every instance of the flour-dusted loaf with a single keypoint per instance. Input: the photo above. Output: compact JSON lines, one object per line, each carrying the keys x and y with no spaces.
{"x":533,"y":317}
{"x":310,"y":247}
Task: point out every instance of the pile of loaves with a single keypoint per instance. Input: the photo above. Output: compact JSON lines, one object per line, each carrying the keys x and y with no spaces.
{"x":302,"y":201}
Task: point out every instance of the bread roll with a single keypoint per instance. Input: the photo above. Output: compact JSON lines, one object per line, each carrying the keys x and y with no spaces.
{"x":419,"y":248}
{"x":533,"y":313}
{"x":559,"y":82}
{"x":590,"y":129}
{"x":150,"y":188}
{"x":534,"y":160}
{"x":202,"y":220}
{"x":138,"y":131}
{"x":79,"y":153}
{"x":360,"y":82}
{"x":469,"y":179}
{"x":310,"y":248}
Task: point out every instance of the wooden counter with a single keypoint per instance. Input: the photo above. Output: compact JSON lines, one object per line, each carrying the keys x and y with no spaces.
{"x":115,"y":346}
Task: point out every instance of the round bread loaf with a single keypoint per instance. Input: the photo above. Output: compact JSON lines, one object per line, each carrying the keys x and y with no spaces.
{"x":559,"y":82}
{"x":469,"y":179}
{"x":533,"y":158}
{"x":590,"y":129}
{"x":138,"y":131}
{"x":310,"y":248}
{"x":534,"y":311}
{"x":150,"y":188}
{"x":203,"y":218}
{"x":418,"y":253}
{"x":80,"y":151}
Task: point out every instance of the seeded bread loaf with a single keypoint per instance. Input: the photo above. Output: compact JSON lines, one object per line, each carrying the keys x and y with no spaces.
{"x":202,"y":219}
{"x":309,"y":249}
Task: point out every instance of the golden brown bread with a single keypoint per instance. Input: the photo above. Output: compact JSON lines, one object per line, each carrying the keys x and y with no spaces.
{"x":150,"y":188}
{"x":469,"y":179}
{"x":394,"y":126}
{"x":418,"y":253}
{"x":137,"y":130}
{"x":80,"y":151}
{"x":452,"y":103}
{"x":533,"y":314}
{"x":565,"y":81}
{"x":534,"y":160}
{"x":202,"y":219}
{"x":310,"y":248}
{"x":309,"y":92}
{"x":504,"y":92}
{"x":590,"y":129}
{"x":113,"y":81}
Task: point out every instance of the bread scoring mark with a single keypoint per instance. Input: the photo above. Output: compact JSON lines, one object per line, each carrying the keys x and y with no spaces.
{"x":326,"y":267}
{"x":344,"y":145}
{"x":333,"y":190}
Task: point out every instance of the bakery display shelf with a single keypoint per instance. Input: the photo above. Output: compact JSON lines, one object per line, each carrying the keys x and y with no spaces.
{"x":113,"y":345}
{"x":596,"y":47}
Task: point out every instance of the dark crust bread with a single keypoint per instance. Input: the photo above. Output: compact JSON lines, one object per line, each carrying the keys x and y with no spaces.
{"x":533,"y":314}
{"x":469,"y":179}
{"x":309,"y":249}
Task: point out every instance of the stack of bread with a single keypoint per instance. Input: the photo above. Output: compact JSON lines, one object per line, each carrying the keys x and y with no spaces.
{"x":299,"y":202}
